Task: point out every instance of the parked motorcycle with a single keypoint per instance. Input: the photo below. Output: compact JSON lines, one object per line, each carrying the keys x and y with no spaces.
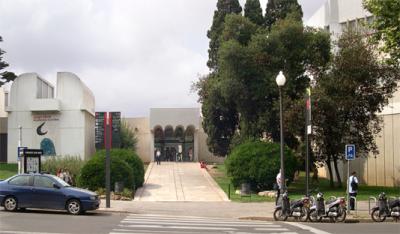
{"x":335,"y":210}
{"x":385,"y":209}
{"x":298,"y":209}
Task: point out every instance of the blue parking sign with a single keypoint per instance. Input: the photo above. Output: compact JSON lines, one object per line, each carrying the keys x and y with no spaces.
{"x":350,"y":152}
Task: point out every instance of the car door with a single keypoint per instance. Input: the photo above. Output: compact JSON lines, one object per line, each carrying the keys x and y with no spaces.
{"x":21,"y":187}
{"x":45,"y":195}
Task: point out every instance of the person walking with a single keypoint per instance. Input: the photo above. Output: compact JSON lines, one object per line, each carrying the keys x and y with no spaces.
{"x":278,"y":186}
{"x":158,"y":157}
{"x":353,"y":189}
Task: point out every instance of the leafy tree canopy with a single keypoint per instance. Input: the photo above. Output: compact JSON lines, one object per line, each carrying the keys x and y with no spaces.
{"x":279,"y":9}
{"x":224,"y":7}
{"x":253,"y":11}
{"x":387,"y":25}
{"x":5,"y":76}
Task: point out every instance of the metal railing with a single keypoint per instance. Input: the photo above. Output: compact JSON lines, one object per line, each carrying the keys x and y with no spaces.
{"x":369,"y":203}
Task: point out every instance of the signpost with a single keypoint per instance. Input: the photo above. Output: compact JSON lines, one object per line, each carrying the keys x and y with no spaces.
{"x":32,"y":160}
{"x":350,"y":152}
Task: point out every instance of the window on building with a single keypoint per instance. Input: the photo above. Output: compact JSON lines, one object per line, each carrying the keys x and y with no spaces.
{"x":6,"y":99}
{"x":44,"y":90}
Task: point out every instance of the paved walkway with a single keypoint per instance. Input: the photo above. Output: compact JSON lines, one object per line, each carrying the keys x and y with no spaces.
{"x":172,"y":181}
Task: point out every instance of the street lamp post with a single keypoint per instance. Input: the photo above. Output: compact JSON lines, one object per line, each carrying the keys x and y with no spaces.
{"x":280,"y":81}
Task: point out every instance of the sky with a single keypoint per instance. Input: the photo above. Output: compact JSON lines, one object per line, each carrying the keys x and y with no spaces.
{"x":133,"y":54}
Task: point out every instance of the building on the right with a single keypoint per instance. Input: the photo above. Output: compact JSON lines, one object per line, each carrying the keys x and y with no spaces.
{"x":382,"y":169}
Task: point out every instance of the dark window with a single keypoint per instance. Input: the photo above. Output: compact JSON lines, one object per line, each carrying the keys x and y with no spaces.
{"x":42,"y":181}
{"x":20,"y":180}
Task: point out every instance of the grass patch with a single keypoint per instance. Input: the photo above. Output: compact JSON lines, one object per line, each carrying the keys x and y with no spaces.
{"x":7,"y":170}
{"x":297,"y":188}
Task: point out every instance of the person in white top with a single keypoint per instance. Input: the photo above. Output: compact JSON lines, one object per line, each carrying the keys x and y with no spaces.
{"x":353,"y":188}
{"x":278,"y":186}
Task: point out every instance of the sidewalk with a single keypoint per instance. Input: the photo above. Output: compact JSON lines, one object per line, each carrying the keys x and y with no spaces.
{"x":172,"y":181}
{"x":256,"y":210}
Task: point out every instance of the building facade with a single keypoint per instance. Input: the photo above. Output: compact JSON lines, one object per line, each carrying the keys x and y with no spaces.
{"x":382,"y":169}
{"x":175,"y":132}
{"x":59,"y":121}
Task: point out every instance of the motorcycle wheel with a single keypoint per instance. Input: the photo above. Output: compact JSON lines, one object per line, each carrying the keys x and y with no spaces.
{"x":305,"y":214}
{"x":341,"y":215}
{"x":376,"y":217}
{"x":313,"y":216}
{"x":278,"y":215}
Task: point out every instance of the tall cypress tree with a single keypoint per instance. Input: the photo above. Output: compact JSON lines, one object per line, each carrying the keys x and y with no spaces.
{"x":224,"y":7}
{"x":4,"y":76}
{"x":279,"y":9}
{"x":253,"y":11}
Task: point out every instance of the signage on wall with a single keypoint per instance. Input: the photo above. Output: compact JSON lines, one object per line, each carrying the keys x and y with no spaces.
{"x":45,"y":117}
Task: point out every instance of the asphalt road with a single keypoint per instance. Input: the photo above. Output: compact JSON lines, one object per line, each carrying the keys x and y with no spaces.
{"x":53,"y":222}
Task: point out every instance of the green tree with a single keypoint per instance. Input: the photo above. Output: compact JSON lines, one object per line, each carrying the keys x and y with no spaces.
{"x":5,"y":76}
{"x":219,"y":115}
{"x":224,"y":7}
{"x":128,"y":136}
{"x":349,"y":97}
{"x":279,"y":9}
{"x":253,"y":11}
{"x":240,"y":99}
{"x":386,"y":25}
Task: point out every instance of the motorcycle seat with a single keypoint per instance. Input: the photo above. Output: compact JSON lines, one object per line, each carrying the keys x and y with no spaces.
{"x":330,"y":202}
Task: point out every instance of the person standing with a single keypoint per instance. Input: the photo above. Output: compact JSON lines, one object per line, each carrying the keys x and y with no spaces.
{"x":278,"y":186}
{"x":353,"y":188}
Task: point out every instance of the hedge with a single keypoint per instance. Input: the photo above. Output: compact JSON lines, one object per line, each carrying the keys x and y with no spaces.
{"x":258,"y":163}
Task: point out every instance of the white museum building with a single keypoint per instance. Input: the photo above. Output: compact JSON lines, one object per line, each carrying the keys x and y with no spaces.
{"x":59,"y":121}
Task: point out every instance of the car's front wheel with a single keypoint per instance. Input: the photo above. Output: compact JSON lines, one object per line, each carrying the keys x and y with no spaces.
{"x":74,"y":207}
{"x":10,"y":203}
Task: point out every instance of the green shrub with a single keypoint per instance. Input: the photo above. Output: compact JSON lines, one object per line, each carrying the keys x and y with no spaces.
{"x":133,"y":160}
{"x":258,"y":163}
{"x":73,"y":164}
{"x":93,"y":173}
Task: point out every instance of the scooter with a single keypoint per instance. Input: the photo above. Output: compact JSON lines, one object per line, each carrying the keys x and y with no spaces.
{"x":298,"y":209}
{"x":335,"y":210}
{"x":385,"y":209}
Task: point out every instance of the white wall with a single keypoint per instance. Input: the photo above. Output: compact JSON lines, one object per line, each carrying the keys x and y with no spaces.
{"x":68,"y":119}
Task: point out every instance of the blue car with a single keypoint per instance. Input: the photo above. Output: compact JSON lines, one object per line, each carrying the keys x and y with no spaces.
{"x":45,"y":191}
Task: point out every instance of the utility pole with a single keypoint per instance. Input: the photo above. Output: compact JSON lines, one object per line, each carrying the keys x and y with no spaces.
{"x":107,"y":137}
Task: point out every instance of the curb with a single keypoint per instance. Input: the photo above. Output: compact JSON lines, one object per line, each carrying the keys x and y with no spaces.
{"x":347,"y":221}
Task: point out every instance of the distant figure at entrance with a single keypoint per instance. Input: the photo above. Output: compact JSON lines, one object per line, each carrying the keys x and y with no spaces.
{"x":158,"y":157}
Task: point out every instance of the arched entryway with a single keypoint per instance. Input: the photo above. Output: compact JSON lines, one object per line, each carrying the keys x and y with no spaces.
{"x":175,"y":144}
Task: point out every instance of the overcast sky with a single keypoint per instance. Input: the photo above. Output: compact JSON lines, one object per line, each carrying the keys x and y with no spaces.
{"x":133,"y":55}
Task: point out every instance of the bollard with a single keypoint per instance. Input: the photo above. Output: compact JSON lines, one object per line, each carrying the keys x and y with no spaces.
{"x":229,"y":191}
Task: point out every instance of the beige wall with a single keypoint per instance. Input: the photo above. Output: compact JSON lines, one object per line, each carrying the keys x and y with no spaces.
{"x":204,"y":153}
{"x":384,"y":168}
{"x":141,"y":127}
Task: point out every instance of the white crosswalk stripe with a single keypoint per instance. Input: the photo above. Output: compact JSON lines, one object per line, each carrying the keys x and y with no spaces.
{"x":135,"y":223}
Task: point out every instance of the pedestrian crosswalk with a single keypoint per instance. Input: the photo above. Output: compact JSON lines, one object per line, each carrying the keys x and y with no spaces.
{"x":139,"y":223}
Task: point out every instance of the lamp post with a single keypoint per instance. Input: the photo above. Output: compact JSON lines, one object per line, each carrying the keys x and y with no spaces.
{"x":280,"y":81}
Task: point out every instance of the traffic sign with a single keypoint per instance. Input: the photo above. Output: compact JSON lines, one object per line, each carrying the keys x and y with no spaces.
{"x":350,"y":152}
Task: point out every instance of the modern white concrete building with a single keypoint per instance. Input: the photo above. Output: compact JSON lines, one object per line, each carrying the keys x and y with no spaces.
{"x":384,"y":169}
{"x":61,"y":124}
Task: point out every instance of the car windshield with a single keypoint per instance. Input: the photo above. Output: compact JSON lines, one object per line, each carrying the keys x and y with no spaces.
{"x":60,"y":181}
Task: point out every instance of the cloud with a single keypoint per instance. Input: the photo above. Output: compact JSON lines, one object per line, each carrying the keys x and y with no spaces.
{"x":133,"y":54}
